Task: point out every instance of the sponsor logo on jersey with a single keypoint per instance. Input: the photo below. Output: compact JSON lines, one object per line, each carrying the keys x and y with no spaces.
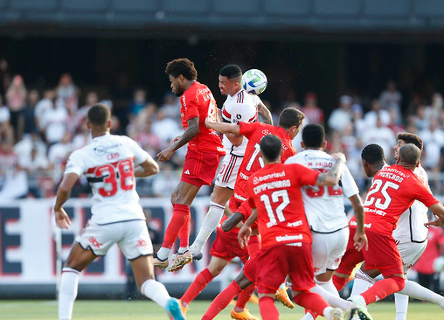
{"x":289,"y":238}
{"x":101,"y":150}
{"x":265,"y":132}
{"x":187,"y":172}
{"x":94,"y":242}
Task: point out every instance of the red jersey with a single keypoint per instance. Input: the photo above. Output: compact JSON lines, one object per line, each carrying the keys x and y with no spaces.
{"x":198,"y":101}
{"x":393,"y":190}
{"x":276,"y":194}
{"x":252,"y":162}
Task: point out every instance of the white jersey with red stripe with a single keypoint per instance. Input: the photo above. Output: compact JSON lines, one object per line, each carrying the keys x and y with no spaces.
{"x":108,"y":163}
{"x":240,"y":107}
{"x":411,"y":223}
{"x":324,"y":206}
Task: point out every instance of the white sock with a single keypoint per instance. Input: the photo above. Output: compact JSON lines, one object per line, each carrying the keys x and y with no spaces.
{"x":417,"y":291}
{"x":307,"y":316}
{"x":68,"y":292}
{"x":361,"y":283}
{"x":328,"y":286}
{"x":156,"y":292}
{"x":183,"y":250}
{"x":401,"y":304}
{"x":327,"y":312}
{"x":163,"y":253}
{"x":211,"y":220}
{"x":333,"y":300}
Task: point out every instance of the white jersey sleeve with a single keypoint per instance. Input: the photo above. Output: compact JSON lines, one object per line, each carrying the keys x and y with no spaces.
{"x":75,"y":164}
{"x":324,"y":206}
{"x":140,"y":155}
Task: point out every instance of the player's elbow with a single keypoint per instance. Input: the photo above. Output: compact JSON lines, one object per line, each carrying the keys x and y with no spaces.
{"x":226,"y":226}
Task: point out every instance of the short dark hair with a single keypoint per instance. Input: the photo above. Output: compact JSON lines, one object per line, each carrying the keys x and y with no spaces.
{"x":410,"y":154}
{"x":231,"y":71}
{"x":408,"y":137}
{"x":99,"y":115}
{"x":290,"y":117}
{"x":271,"y":147}
{"x":313,"y":136}
{"x":373,"y":153}
{"x":181,"y":66}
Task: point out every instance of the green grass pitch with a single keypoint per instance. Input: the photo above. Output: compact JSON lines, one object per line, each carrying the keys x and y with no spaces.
{"x":147,"y":310}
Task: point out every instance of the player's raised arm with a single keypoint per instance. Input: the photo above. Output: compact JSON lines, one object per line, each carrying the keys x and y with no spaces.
{"x":63,"y":193}
{"x":263,"y":111}
{"x":191,"y":131}
{"x":331,"y":178}
{"x":222,"y":127}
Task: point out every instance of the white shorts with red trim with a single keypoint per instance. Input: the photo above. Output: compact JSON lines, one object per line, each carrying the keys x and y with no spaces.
{"x":227,"y":175}
{"x":132,"y":237}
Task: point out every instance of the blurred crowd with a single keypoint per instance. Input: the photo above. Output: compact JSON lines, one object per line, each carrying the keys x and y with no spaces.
{"x":39,"y":128}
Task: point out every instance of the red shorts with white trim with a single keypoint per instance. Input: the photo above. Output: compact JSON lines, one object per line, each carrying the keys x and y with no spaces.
{"x":227,"y":175}
{"x":279,"y":261}
{"x":382,"y":254}
{"x":200,"y":168}
{"x":226,"y":246}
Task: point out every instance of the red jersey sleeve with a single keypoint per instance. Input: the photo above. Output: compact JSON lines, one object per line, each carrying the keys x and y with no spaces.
{"x":190,"y":105}
{"x":250,"y":199}
{"x":304,"y":175}
{"x":247,"y":129}
{"x":423,"y":194}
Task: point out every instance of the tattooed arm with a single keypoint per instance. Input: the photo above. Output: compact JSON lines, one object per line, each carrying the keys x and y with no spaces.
{"x":263,"y":111}
{"x":331,"y":177}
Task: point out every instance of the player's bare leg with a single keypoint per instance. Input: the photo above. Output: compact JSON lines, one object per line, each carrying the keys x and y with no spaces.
{"x":143,"y":269}
{"x":181,"y":200}
{"x":78,"y":259}
{"x":219,"y":198}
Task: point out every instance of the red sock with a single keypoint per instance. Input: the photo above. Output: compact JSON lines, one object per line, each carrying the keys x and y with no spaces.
{"x":222,"y":300}
{"x":313,"y":314}
{"x":268,"y":309}
{"x":197,"y":286}
{"x":339,"y":282}
{"x":244,"y":296}
{"x":383,"y":288}
{"x":184,"y":233}
{"x":254,"y":246}
{"x":312,"y":301}
{"x":178,"y":220}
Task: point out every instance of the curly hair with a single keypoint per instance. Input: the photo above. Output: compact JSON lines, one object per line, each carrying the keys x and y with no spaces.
{"x":181,"y":66}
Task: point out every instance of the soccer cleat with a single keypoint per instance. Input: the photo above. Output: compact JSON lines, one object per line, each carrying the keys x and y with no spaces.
{"x":282,"y":296}
{"x":361,"y":308}
{"x":198,"y":256}
{"x":337,"y":314}
{"x":174,"y":310}
{"x":162,"y":264}
{"x":244,"y":315}
{"x":184,"y":309}
{"x":180,"y":261}
{"x":351,"y":313}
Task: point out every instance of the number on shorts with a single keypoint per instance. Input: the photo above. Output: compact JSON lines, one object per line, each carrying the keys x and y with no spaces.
{"x":125,"y":173}
{"x":275,"y":198}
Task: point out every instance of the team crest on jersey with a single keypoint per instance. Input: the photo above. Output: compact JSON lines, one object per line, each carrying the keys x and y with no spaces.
{"x":265,"y":132}
{"x":255,"y":180}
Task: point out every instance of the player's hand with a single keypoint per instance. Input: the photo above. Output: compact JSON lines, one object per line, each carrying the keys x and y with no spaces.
{"x":62,"y":219}
{"x":339,"y":156}
{"x":176,"y":139}
{"x":360,"y":241}
{"x":165,"y":154}
{"x":438,"y":222}
{"x":244,"y":235}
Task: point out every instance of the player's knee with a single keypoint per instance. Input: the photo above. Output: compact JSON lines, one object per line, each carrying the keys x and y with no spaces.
{"x":400,"y":282}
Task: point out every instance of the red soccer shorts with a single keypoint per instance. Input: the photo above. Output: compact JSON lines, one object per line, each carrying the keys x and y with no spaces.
{"x":200,"y":168}
{"x":382,"y":254}
{"x":226,"y":246}
{"x":281,"y":260}
{"x":250,"y":269}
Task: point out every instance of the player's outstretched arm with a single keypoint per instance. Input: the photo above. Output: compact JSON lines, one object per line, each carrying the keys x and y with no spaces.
{"x":232,"y":221}
{"x":147,"y":168}
{"x":191,"y":131}
{"x":63,"y":193}
{"x":264,"y":113}
{"x":438,"y":211}
{"x":222,"y":127}
{"x":331,"y":178}
{"x":245,"y":232}
{"x":360,"y":239}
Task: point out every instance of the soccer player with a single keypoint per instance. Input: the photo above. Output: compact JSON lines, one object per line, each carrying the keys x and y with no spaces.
{"x":393,"y":190}
{"x":276,"y":200}
{"x":201,"y":161}
{"x":406,"y":234}
{"x":110,"y":164}
{"x":324,"y":207}
{"x":238,"y":107}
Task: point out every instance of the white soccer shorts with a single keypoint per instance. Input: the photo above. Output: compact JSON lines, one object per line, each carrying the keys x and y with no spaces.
{"x":132,"y":237}
{"x":328,"y":249}
{"x":410,"y":252}
{"x":227,"y":175}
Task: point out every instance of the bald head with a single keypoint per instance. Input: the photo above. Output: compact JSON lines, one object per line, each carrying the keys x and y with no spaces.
{"x":409,"y":154}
